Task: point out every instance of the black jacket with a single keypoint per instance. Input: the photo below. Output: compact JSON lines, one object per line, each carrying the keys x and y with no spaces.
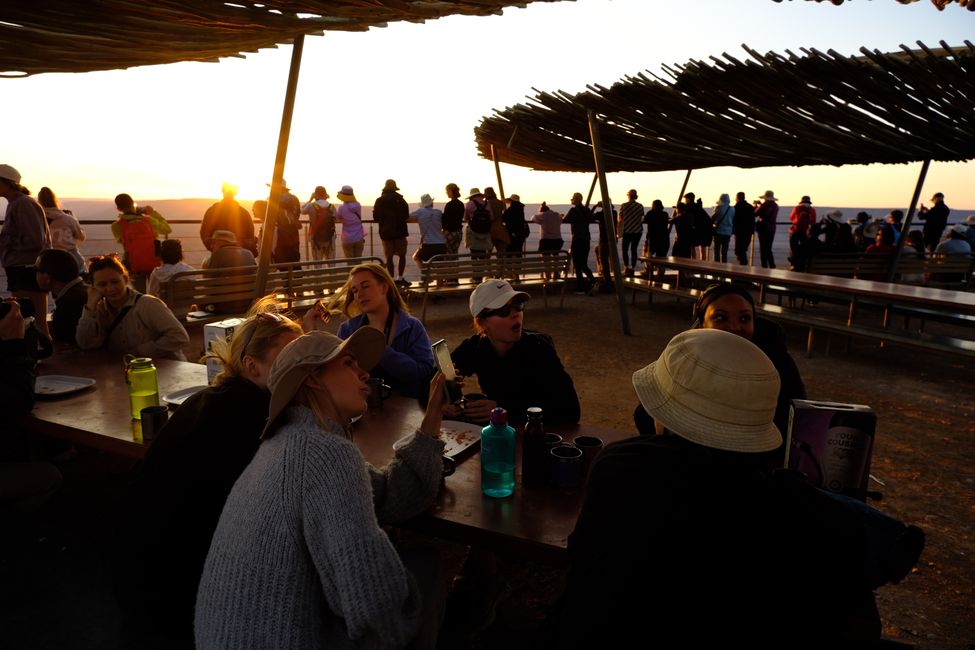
{"x":67,"y":312}
{"x":531,"y":374}
{"x":391,"y":213}
{"x":676,"y":541}
{"x":743,"y":225}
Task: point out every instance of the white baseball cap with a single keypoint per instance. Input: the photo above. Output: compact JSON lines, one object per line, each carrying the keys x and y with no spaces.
{"x":492,"y":294}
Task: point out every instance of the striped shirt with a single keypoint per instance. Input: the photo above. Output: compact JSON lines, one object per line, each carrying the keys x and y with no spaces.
{"x":631,"y":217}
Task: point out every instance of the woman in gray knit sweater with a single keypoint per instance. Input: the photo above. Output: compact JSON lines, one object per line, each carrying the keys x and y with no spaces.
{"x":299,"y":558}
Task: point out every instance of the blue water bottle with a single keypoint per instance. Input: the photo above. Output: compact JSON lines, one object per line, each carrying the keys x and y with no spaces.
{"x":498,"y":456}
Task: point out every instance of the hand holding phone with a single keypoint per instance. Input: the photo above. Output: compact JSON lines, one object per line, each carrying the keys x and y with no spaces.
{"x":442,"y":354}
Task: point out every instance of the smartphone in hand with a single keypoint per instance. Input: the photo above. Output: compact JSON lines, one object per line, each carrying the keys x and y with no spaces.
{"x":442,"y":354}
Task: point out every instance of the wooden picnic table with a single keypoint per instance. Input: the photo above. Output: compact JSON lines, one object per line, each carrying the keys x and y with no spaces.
{"x":531,"y":523}
{"x":855,"y":289}
{"x":923,"y":302}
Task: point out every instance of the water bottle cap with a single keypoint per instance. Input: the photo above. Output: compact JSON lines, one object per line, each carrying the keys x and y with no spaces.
{"x":534,"y":412}
{"x":140,"y":362}
{"x":499,"y":416}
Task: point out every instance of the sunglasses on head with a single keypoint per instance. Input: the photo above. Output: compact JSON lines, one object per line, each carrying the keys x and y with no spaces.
{"x":267,"y":316}
{"x":505,"y":311}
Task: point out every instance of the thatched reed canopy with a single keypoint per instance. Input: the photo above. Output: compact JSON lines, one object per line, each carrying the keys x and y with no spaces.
{"x":940,"y":4}
{"x":77,"y":36}
{"x":817,"y":108}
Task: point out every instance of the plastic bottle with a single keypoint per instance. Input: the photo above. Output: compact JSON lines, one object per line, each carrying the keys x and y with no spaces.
{"x":140,"y":375}
{"x":498,"y":456}
{"x":534,"y":451}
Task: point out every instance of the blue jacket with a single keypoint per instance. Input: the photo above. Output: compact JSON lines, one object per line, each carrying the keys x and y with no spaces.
{"x":407,"y":364}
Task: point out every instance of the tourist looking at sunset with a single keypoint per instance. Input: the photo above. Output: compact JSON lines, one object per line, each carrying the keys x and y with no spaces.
{"x":430,"y":220}
{"x":453,"y":219}
{"x":391,"y":212}
{"x":138,"y":230}
{"x":229,"y":215}
{"x":66,"y":232}
{"x":24,"y":235}
{"x":935,"y":220}
{"x":349,"y":215}
{"x":765,"y":215}
{"x":743,"y":227}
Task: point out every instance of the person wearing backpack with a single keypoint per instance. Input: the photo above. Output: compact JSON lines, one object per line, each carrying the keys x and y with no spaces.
{"x":138,"y":230}
{"x":478,"y":232}
{"x":321,"y":224}
{"x":499,"y":234}
{"x":514,"y":221}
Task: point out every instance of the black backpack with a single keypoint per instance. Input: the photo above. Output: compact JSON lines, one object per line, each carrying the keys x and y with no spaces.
{"x":481,"y":219}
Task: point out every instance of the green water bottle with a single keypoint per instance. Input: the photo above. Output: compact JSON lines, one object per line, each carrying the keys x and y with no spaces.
{"x":140,"y":375}
{"x":498,"y":456}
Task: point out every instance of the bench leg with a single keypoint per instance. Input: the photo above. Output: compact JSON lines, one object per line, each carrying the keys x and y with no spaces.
{"x":423,"y":313}
{"x":809,"y":343}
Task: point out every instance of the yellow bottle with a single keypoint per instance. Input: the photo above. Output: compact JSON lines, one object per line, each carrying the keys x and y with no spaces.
{"x":140,"y":375}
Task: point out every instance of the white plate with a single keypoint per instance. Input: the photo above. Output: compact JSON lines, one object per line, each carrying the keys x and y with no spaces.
{"x":458,"y":436}
{"x":176,"y":398}
{"x":61,"y":384}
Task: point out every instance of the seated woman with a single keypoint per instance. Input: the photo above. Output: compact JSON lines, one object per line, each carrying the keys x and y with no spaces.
{"x":120,"y":319}
{"x":188,"y":471}
{"x":370,"y":298}
{"x":730,"y":308}
{"x":674,"y":525}
{"x":515,"y":368}
{"x":299,"y":558}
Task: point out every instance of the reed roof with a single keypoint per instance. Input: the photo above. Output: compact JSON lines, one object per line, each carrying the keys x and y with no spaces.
{"x":813,"y":108}
{"x":80,"y":36}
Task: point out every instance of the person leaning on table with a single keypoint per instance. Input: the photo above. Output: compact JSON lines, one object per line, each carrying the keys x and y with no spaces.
{"x":299,"y":558}
{"x":515,"y":368}
{"x":685,"y":537}
{"x":120,"y":319}
{"x":189,"y":469}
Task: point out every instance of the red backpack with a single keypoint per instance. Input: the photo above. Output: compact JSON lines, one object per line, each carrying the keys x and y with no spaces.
{"x":139,"y":242}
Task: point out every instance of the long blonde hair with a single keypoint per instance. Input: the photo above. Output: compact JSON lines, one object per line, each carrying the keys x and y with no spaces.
{"x":343,"y":301}
{"x":252,"y":337}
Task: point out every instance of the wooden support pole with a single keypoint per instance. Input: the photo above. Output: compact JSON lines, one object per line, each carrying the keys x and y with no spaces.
{"x":680,"y":195}
{"x":614,"y":256}
{"x":497,"y":172}
{"x":274,"y":200}
{"x":906,"y":227}
{"x":592,"y":188}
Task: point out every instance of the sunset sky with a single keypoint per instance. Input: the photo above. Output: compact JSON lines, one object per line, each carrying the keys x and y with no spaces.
{"x":402,"y":102}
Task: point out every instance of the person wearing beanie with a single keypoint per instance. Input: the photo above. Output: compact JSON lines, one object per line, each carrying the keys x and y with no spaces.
{"x":687,"y":534}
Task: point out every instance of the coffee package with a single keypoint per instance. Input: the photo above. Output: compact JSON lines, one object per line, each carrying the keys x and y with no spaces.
{"x":832,"y":444}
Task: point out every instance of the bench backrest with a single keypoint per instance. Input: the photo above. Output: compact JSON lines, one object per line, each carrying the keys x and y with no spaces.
{"x":214,"y":286}
{"x":873,"y":265}
{"x":446,"y":267}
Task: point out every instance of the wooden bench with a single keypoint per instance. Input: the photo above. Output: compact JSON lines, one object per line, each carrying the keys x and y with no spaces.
{"x":923,"y":340}
{"x":929,"y":270}
{"x":296,"y":284}
{"x":444,"y":274}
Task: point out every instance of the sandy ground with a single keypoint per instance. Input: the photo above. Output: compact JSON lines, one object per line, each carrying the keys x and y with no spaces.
{"x":923,"y":451}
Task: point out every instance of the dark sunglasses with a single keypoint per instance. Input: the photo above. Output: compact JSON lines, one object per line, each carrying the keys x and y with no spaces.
{"x":268,"y":316}
{"x":504,"y":312}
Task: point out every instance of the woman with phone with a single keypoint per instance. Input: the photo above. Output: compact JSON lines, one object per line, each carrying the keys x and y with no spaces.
{"x":371,"y":298}
{"x":121,"y":319}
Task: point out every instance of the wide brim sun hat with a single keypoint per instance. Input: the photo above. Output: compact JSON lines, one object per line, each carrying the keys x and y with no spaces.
{"x":346,"y":195}
{"x":493,"y":294}
{"x":474,"y":192}
{"x":715,"y":389}
{"x":300,"y":357}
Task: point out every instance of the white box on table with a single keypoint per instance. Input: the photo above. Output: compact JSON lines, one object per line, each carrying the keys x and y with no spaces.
{"x":219,"y":331}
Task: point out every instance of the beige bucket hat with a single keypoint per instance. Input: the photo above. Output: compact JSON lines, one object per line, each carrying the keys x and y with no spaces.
{"x":715,"y":389}
{"x":302,"y":356}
